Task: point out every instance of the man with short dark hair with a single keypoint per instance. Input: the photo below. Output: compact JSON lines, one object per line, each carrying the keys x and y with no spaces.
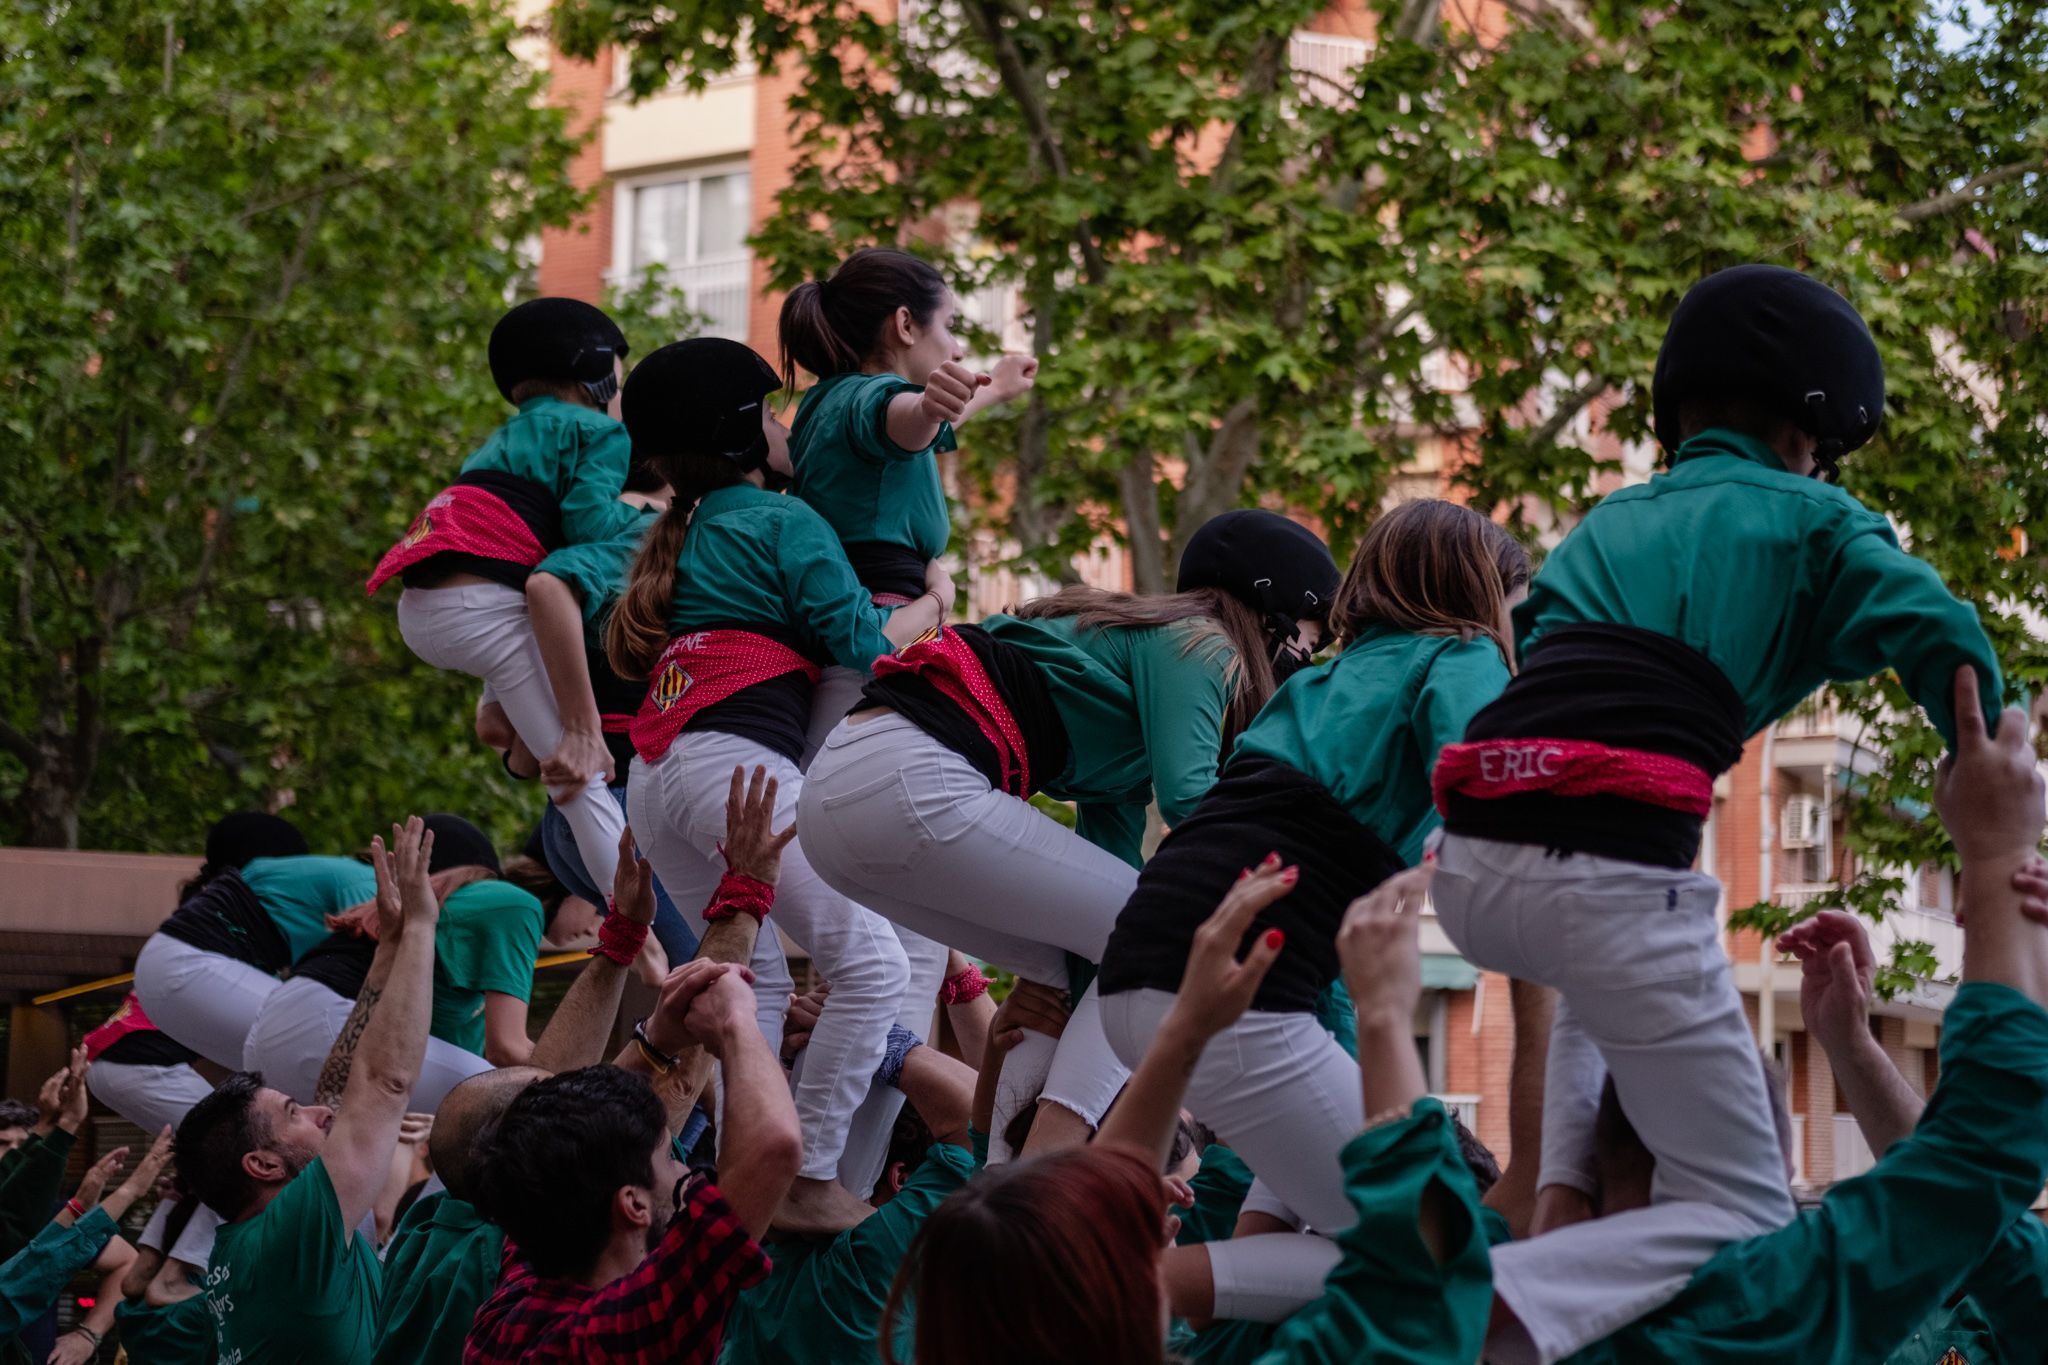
{"x":291,"y":1279}
{"x":16,"y":1119}
{"x":614,"y":1251}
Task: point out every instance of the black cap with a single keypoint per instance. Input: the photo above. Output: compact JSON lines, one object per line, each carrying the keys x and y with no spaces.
{"x":699,"y":397}
{"x":1784,"y":339}
{"x":239,"y":839}
{"x":1277,"y":567}
{"x":458,"y":843}
{"x":558,"y":340}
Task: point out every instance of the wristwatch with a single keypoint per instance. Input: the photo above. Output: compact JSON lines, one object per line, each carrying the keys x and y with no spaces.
{"x":656,"y":1058}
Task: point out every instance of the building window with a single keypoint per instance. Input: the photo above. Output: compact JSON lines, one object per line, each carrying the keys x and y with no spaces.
{"x":694,"y":226}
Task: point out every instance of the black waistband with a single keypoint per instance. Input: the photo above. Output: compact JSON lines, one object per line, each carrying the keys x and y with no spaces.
{"x":225,"y":917}
{"x":1258,"y":806}
{"x":145,"y":1047}
{"x":882,"y":567}
{"x":340,"y":962}
{"x":1023,"y":690}
{"x":1616,"y":685}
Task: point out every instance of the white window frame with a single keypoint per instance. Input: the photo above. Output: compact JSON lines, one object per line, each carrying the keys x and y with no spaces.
{"x":625,"y":216}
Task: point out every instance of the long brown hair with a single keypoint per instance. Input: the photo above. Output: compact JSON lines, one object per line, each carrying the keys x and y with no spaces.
{"x":832,"y":326}
{"x":638,"y":629}
{"x":1215,"y":617}
{"x":1431,"y":567}
{"x":1062,"y":1250}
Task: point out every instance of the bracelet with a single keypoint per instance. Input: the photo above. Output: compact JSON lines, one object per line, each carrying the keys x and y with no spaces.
{"x":656,"y":1058}
{"x":619,"y":938}
{"x":964,"y":985}
{"x":945,"y":607}
{"x":1387,"y":1116}
{"x":88,"y":1334}
{"x":739,"y":894}
{"x":76,"y":1209}
{"x":901,"y":1043}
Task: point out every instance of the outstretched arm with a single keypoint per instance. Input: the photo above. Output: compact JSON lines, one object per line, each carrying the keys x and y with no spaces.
{"x":393,"y":1044}
{"x":582,"y":1023}
{"x":1837,"y":968}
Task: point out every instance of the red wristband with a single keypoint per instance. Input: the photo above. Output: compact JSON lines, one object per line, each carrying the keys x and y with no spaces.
{"x":739,"y":894}
{"x":77,"y":1209}
{"x":619,"y":938}
{"x":964,"y":985}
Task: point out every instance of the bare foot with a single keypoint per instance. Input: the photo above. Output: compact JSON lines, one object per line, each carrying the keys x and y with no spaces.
{"x":1560,"y":1206}
{"x":819,"y":1208}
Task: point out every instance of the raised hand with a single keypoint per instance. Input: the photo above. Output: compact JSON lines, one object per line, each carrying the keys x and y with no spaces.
{"x":752,"y":846}
{"x":1012,"y":375}
{"x":97,"y":1176}
{"x":1379,"y":945}
{"x":947,"y":390}
{"x":633,"y":883}
{"x":404,"y":868}
{"x":1216,"y":988}
{"x":71,"y":1112}
{"x":801,"y":1018}
{"x":415,"y":1129}
{"x":671,"y":1027}
{"x":1836,"y":971}
{"x":143,"y":1178}
{"x":2031,"y":881}
{"x":1029,"y":1005}
{"x":1988,"y":790}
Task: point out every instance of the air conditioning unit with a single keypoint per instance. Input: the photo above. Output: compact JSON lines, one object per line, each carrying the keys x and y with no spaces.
{"x":1800,"y":823}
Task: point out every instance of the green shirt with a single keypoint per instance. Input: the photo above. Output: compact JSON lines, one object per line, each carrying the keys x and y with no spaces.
{"x":31,"y":1278}
{"x":1389,"y":1299}
{"x":31,"y":1176}
{"x":1143,"y":708}
{"x":824,"y":1302}
{"x":865,"y":486}
{"x":486,"y":940}
{"x":1368,"y":724}
{"x":768,"y":563}
{"x":578,"y":454}
{"x":294,"y":1283}
{"x":180,"y":1333}
{"x":1783,"y":582}
{"x":441,"y":1265}
{"x":596,"y":571}
{"x":1846,"y":1282}
{"x":299,"y":893}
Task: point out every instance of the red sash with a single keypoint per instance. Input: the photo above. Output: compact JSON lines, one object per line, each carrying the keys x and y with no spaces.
{"x":951,"y":666}
{"x":1571,"y":767}
{"x":126,"y":1020}
{"x":702,"y":669}
{"x":466,"y":518}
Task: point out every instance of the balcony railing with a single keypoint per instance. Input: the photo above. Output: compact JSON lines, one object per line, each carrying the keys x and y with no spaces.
{"x":722,"y":290}
{"x":1799,"y":895}
{"x":1852,"y":1153}
{"x":1326,"y":65}
{"x":1464,"y":1108}
{"x":1821,"y":720}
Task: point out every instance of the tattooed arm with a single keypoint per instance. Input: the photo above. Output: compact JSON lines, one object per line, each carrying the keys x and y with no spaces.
{"x":390,"y":926}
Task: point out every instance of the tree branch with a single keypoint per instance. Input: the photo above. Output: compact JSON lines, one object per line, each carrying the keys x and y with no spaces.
{"x":1568,"y":407}
{"x":1967,"y":192}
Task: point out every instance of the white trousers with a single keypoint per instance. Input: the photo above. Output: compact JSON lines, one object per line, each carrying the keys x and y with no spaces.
{"x":291,"y":1038}
{"x":1635,"y":954}
{"x":677,"y":809}
{"x":201,"y":999}
{"x":1279,"y":1091}
{"x":482,"y":629}
{"x":195,"y":1242}
{"x":892,"y":816}
{"x":150,"y":1097}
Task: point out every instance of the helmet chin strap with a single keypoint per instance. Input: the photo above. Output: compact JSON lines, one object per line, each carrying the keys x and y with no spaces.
{"x":1827,"y":461}
{"x":602,"y":391}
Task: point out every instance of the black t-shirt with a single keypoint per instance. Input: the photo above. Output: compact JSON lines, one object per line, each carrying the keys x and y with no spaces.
{"x":1614,"y":685}
{"x":225,"y":917}
{"x":1258,"y":806}
{"x":340,"y":962}
{"x":775,"y":714}
{"x":885,"y":568}
{"x":618,"y":701}
{"x":1017,"y":681}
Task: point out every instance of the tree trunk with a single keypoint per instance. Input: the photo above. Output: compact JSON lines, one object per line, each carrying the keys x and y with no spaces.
{"x":1141,"y":525}
{"x":51,"y":797}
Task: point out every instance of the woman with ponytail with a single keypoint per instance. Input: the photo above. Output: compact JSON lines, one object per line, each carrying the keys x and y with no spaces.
{"x":1332,"y":781}
{"x":736,"y":600}
{"x":919,"y":804}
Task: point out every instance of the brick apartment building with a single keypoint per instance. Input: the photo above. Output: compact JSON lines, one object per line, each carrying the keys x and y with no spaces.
{"x":682,"y":179}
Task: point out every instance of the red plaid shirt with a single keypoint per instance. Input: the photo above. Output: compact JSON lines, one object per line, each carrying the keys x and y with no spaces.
{"x":671,"y":1308}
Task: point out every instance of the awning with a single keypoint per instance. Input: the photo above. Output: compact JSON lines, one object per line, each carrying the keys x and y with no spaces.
{"x":1448,"y":972}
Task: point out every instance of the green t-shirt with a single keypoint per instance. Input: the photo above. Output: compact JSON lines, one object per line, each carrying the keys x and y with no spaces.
{"x":823,"y":1303}
{"x":299,"y":893}
{"x":31,"y":1178}
{"x":175,"y":1334}
{"x":31,"y":1279}
{"x":865,"y":486}
{"x":486,"y":941}
{"x":294,"y":1284}
{"x":1368,"y":725}
{"x":770,"y":564}
{"x":1143,"y":708}
{"x":596,"y":572}
{"x":580,"y":455}
{"x":1844,"y":1283}
{"x":1388,"y":1298}
{"x":441,"y":1265}
{"x":1783,"y":582}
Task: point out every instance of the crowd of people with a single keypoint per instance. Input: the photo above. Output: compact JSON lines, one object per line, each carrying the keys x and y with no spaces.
{"x":1196,"y":1126}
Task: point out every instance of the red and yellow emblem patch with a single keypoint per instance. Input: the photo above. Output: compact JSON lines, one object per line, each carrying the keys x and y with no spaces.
{"x":421,"y":529}
{"x":669,"y":686}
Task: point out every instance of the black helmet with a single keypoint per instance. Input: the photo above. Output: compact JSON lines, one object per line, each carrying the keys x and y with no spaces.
{"x":458,"y":843}
{"x":560,"y":340}
{"x":1277,"y":567}
{"x":699,"y":397}
{"x":1782,"y":338}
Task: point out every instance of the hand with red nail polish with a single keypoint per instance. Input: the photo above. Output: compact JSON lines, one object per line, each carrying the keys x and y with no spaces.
{"x":1216,"y":987}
